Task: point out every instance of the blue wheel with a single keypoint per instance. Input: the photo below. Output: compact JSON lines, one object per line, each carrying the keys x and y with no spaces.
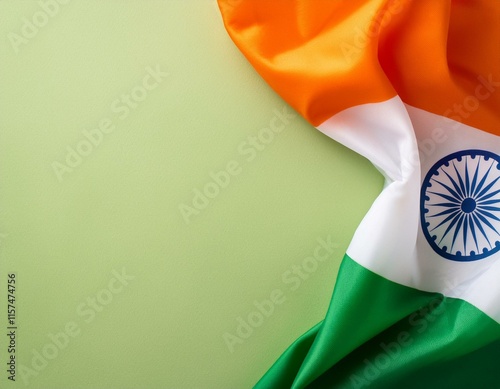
{"x":460,"y":205}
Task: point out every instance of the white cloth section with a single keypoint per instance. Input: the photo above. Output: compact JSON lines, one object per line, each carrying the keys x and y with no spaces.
{"x":404,"y":143}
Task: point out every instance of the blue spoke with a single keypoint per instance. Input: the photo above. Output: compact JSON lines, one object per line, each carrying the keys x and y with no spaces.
{"x":457,"y":230}
{"x":451,"y":191}
{"x":446,"y":212}
{"x":485,"y":221}
{"x":465,"y":234}
{"x":488,"y":202}
{"x":446,"y":197}
{"x":483,"y":180}
{"x":450,"y":226}
{"x":456,"y":214}
{"x":485,"y":190}
{"x":462,"y":185}
{"x":473,"y":231}
{"x":474,"y":179}
{"x":488,"y":208}
{"x":489,"y":195}
{"x":467,"y":180}
{"x":488,"y":214}
{"x":478,"y":224}
{"x":448,"y":205}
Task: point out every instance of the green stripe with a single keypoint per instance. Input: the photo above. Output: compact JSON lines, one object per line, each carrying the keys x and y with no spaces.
{"x":379,"y":334}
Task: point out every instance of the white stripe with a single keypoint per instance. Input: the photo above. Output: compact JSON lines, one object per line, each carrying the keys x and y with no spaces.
{"x":389,"y":240}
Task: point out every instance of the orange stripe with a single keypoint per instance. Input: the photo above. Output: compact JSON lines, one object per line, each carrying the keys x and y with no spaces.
{"x":324,"y":56}
{"x":439,"y":54}
{"x":297,"y":49}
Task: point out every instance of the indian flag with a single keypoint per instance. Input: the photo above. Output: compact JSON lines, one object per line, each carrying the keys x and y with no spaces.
{"x":413,"y":86}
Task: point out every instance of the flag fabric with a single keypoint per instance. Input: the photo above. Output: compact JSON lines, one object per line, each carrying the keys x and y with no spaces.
{"x":413,"y":86}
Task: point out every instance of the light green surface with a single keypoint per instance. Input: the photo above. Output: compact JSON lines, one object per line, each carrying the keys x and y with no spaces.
{"x":119,"y":209}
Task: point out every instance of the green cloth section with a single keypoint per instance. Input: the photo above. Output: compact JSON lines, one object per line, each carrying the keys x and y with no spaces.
{"x":380,"y":334}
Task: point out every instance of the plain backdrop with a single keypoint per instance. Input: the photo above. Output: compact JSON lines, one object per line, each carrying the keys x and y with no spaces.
{"x":188,"y":285}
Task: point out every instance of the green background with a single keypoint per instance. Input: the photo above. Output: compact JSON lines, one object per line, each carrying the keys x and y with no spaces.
{"x":120,"y":207}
